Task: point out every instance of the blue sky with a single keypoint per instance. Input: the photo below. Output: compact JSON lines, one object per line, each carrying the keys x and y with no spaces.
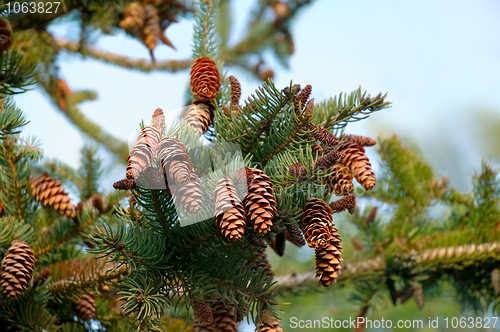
{"x":439,"y":61}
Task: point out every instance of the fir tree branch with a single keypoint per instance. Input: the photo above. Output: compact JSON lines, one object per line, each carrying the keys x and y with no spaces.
{"x":171,"y":66}
{"x":204,"y":41}
{"x":86,"y":280}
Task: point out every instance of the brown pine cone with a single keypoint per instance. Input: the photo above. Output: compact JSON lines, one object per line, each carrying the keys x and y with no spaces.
{"x":329,"y":261}
{"x":143,"y":152}
{"x":358,"y":163}
{"x":279,"y":244}
{"x":340,"y":182}
{"x":345,"y":203}
{"x":205,"y":79}
{"x":84,"y":307}
{"x":5,"y":36}
{"x":159,"y":121}
{"x":133,"y":18}
{"x":324,"y":136}
{"x":254,"y":239}
{"x":200,"y":116}
{"x":260,"y":204}
{"x":224,"y":320}
{"x":317,"y":148}
{"x":317,"y":223}
{"x":268,"y":323}
{"x":200,"y":326}
{"x":151,"y":179}
{"x":152,"y":31}
{"x":229,"y":211}
{"x":177,"y":167}
{"x":125,"y":184}
{"x":41,"y":277}
{"x":294,"y":234}
{"x":297,"y":170}
{"x":360,"y":140}
{"x":203,"y":311}
{"x":235,"y":94}
{"x":50,"y":193}
{"x":328,"y":160}
{"x":370,"y":217}
{"x":189,"y":195}
{"x":17,"y":269}
{"x":301,"y":98}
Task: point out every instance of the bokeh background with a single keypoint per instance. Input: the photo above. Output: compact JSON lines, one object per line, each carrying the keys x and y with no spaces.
{"x":439,"y":62}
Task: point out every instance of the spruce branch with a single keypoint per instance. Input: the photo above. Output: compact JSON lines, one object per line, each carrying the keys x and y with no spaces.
{"x":146,"y":66}
{"x":204,"y":41}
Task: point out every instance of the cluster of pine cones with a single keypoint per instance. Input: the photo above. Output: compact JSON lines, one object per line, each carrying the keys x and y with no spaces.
{"x":141,"y":19}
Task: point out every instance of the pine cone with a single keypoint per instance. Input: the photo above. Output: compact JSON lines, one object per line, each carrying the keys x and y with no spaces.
{"x":340,"y":181}
{"x":294,"y":234}
{"x":360,"y":140}
{"x":203,"y":311}
{"x":174,"y":161}
{"x":200,"y":117}
{"x":41,"y":277}
{"x":244,"y":175}
{"x":329,"y":261}
{"x":279,"y":244}
{"x":5,"y":36}
{"x":159,"y":121}
{"x":260,"y":204}
{"x":297,"y":170}
{"x":262,"y":262}
{"x":143,"y":152}
{"x":189,"y":195}
{"x":151,"y":179}
{"x":328,"y":160}
{"x":205,"y":79}
{"x":133,"y":18}
{"x":268,"y":323}
{"x":324,"y":136}
{"x":125,"y":184}
{"x":50,"y":193}
{"x":254,"y":239}
{"x":235,"y":94}
{"x":317,"y":148}
{"x":345,"y":203}
{"x":229,"y":211}
{"x":152,"y":31}
{"x":17,"y":269}
{"x":224,"y":320}
{"x":200,"y":326}
{"x":370,"y":217}
{"x":317,"y":223}
{"x":358,"y":163}
{"x":301,"y":98}
{"x":84,"y":307}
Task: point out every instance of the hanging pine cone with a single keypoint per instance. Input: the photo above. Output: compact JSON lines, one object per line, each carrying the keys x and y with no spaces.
{"x":279,"y":244}
{"x":328,"y":160}
{"x":340,"y":182}
{"x":268,"y":323}
{"x":329,"y":261}
{"x":125,"y":184}
{"x":5,"y":36}
{"x":229,"y":211}
{"x":224,"y":320}
{"x":370,"y":217}
{"x":205,"y":79}
{"x":358,"y":163}
{"x":84,"y":307}
{"x":151,"y":32}
{"x":317,"y":148}
{"x":203,"y":311}
{"x":189,"y":195}
{"x":294,"y":234}
{"x":260,"y":204}
{"x":174,"y":161}
{"x":50,"y":193}
{"x":143,"y":152}
{"x":200,"y":326}
{"x":17,"y":269}
{"x":200,"y":116}
{"x":254,"y":239}
{"x":317,"y":223}
{"x":345,"y":203}
{"x":360,"y":140}
{"x":41,"y":277}
{"x":133,"y":18}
